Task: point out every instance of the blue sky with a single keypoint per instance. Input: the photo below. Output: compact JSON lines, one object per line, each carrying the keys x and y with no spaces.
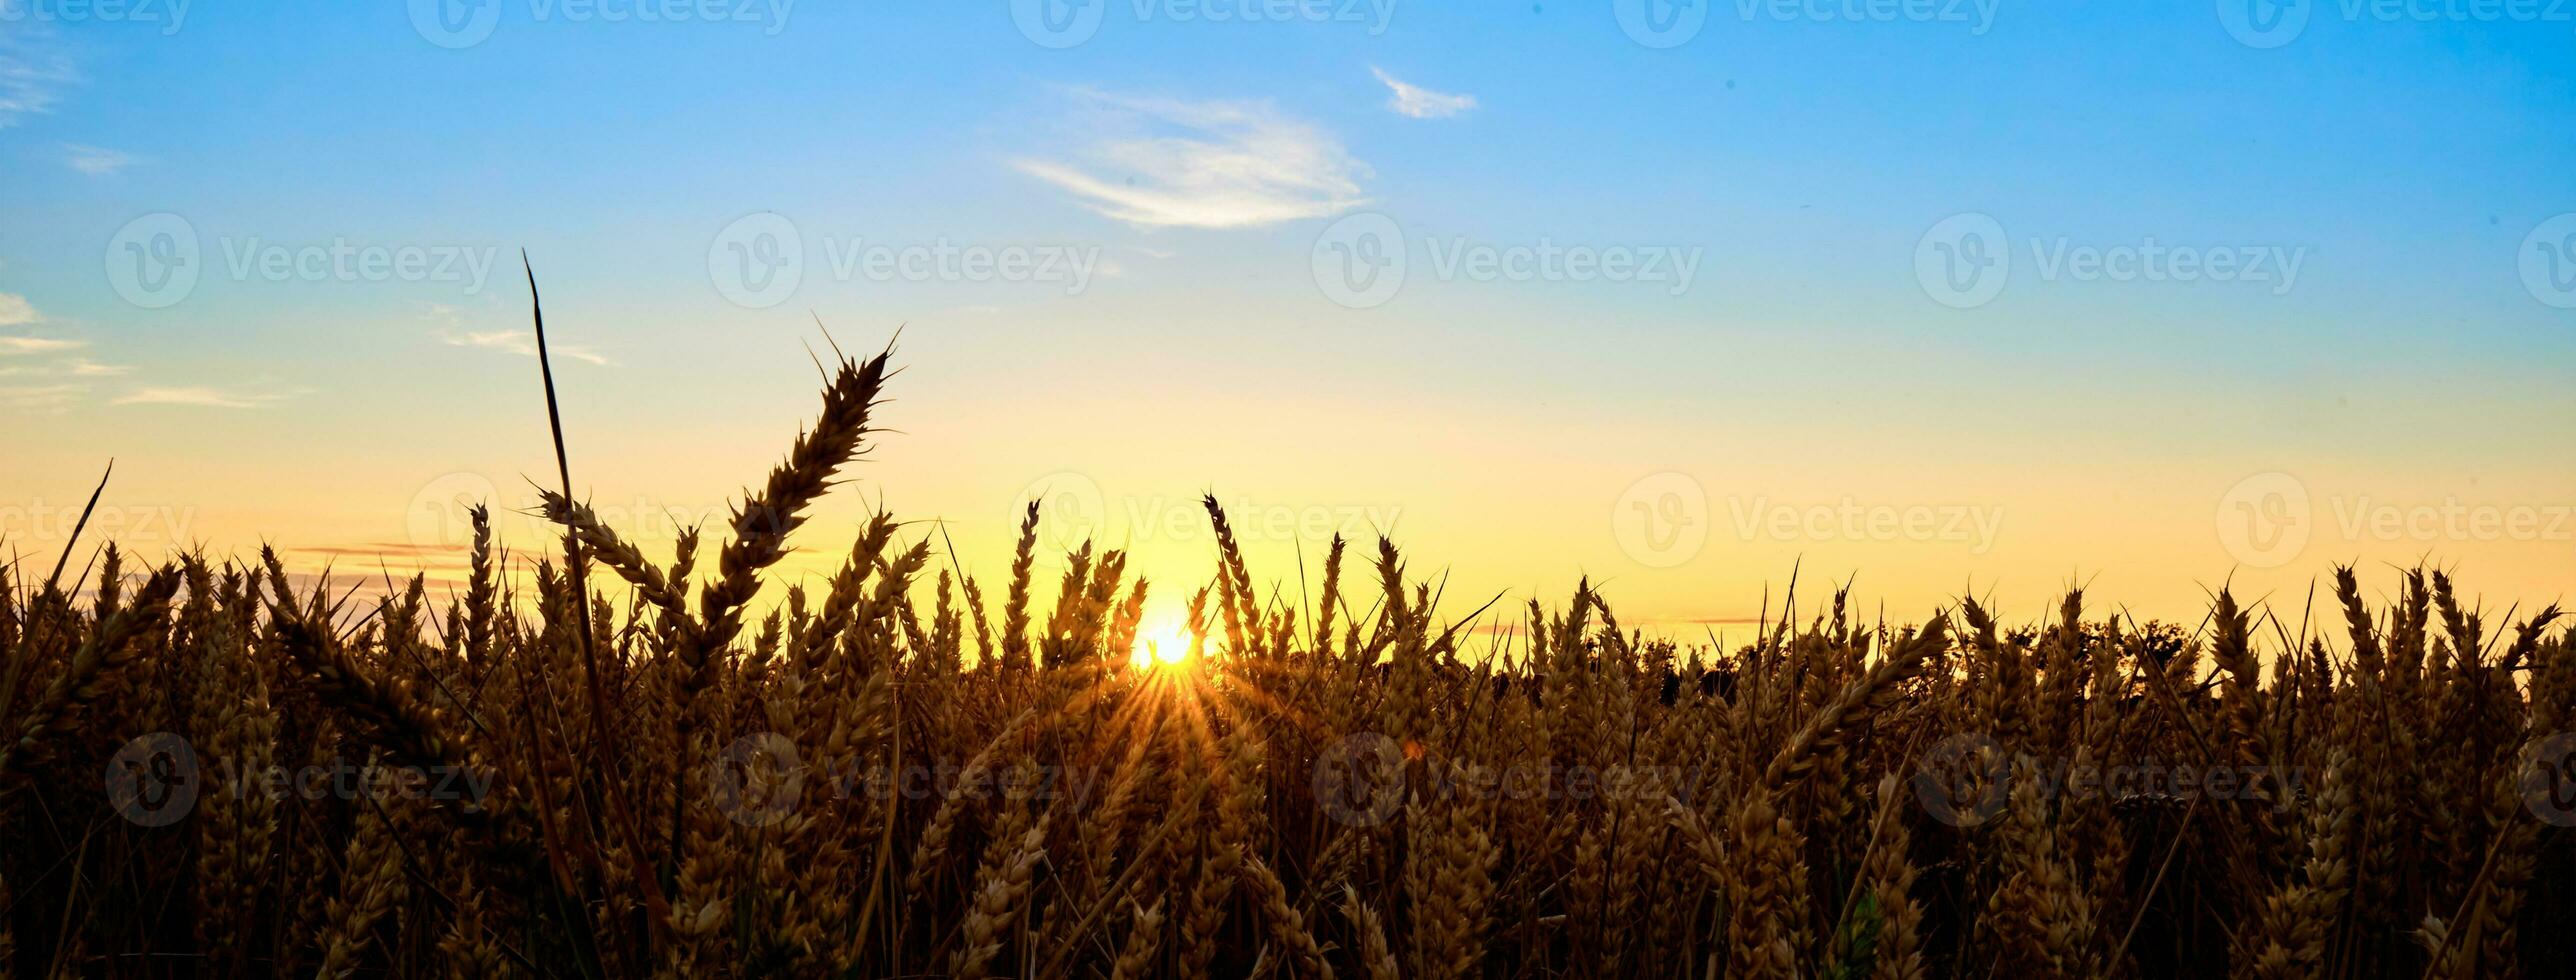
{"x":1797,"y":153}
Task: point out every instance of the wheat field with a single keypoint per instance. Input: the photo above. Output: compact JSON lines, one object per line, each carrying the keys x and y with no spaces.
{"x":596,"y":763}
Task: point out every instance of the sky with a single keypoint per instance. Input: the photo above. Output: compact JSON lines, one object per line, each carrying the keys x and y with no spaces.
{"x":1934,"y":298}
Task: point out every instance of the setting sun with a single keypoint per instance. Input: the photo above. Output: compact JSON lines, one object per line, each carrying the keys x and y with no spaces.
{"x":1161,"y":640}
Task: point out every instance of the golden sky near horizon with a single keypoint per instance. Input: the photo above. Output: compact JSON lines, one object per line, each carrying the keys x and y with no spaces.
{"x":1933,"y":308}
{"x":1687,"y":528}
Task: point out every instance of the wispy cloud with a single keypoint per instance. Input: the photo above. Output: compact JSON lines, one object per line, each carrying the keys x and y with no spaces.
{"x":451,"y":331}
{"x":40,"y":399}
{"x":16,"y":311}
{"x":33,"y":72}
{"x":197,"y":396}
{"x":24,"y":361}
{"x":514,"y":342}
{"x":78,"y":367}
{"x":1162,"y":162}
{"x":375,"y":549}
{"x":36,"y":399}
{"x":35,"y":345}
{"x":1421,"y":103}
{"x":97,"y":161}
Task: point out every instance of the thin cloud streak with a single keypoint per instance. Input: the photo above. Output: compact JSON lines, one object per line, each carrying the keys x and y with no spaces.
{"x":1177,"y":163}
{"x":40,"y":399}
{"x":35,"y":345}
{"x":78,"y":367}
{"x":514,"y":342}
{"x":15,"y":311}
{"x":32,"y":74}
{"x":201,"y":397}
{"x":97,"y":161}
{"x":1421,"y":103}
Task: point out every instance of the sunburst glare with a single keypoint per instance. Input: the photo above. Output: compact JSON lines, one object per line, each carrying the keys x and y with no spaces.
{"x":1162,"y":640}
